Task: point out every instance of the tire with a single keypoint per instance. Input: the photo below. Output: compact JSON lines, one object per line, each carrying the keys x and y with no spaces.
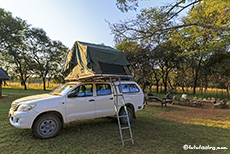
{"x":46,"y":126}
{"x":123,"y":120}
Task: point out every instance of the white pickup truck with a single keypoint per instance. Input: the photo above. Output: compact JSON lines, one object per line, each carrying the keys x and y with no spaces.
{"x":45,"y":114}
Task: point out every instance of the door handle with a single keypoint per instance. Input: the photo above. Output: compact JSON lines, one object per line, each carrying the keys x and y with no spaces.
{"x":91,"y":100}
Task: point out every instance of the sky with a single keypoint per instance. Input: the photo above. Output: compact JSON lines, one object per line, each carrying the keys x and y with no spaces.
{"x":74,"y":20}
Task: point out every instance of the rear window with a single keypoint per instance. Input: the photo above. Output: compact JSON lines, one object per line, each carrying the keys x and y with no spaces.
{"x":128,"y":88}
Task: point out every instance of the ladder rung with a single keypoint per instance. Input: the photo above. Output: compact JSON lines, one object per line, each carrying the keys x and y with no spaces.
{"x":127,"y":140}
{"x":124,"y":127}
{"x":120,"y":105}
{"x":115,"y":95}
{"x":123,"y":116}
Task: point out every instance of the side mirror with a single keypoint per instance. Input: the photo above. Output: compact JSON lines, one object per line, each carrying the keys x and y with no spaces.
{"x":71,"y":95}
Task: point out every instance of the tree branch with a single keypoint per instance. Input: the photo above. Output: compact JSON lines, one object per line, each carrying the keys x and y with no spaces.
{"x":176,"y":5}
{"x":196,"y":24}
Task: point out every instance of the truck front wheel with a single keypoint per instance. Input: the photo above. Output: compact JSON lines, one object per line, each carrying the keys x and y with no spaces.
{"x":46,"y":126}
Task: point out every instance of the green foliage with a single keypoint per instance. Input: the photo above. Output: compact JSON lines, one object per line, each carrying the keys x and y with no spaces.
{"x":181,"y":51}
{"x":126,"y":5}
{"x":200,"y":43}
{"x":27,"y":51}
{"x":139,"y":59}
{"x":11,"y":30}
{"x":211,"y":12}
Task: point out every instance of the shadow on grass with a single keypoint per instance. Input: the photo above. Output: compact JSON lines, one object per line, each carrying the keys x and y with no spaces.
{"x":169,"y":107}
{"x":151,"y":135}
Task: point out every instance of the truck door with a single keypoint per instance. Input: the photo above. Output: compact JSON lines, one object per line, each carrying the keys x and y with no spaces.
{"x":80,"y":103}
{"x":104,"y":100}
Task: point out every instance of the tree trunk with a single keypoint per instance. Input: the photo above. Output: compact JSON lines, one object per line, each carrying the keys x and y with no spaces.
{"x":44,"y":83}
{"x":194,"y":88}
{"x":48,"y":83}
{"x":196,"y":76}
{"x":23,"y":83}
{"x":157,"y":81}
{"x":206,"y":87}
{"x":227,"y":87}
{"x":171,"y":86}
{"x":0,"y":88}
{"x":25,"y":87}
{"x":182,"y":88}
{"x":195,"y":82}
{"x":5,"y":84}
{"x":165,"y":83}
{"x":157,"y":84}
{"x":150,"y":88}
{"x":165,"y":87}
{"x":144,"y":86}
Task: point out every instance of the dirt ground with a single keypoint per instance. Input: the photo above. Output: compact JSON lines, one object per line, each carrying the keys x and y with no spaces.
{"x":191,"y":115}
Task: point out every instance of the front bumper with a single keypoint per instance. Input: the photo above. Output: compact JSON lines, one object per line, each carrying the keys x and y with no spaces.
{"x":22,"y":119}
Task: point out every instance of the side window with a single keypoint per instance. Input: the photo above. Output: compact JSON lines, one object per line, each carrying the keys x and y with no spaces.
{"x":128,"y":88}
{"x":103,"y":89}
{"x":133,"y":88}
{"x":84,"y":90}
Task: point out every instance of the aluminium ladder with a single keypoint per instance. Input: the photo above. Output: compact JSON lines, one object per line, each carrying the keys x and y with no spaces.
{"x":116,"y":95}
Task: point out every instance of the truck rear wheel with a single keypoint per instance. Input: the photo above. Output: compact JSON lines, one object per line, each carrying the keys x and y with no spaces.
{"x":46,"y":126}
{"x":130,"y":114}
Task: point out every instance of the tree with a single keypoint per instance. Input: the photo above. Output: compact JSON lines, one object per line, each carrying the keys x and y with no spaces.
{"x":199,"y":43}
{"x":13,"y":49}
{"x":28,"y":51}
{"x":57,"y":60}
{"x":219,"y":66}
{"x":166,"y":57}
{"x":173,"y":11}
{"x":47,"y":54}
{"x":157,"y":77}
{"x":141,"y":28}
{"x":11,"y":30}
{"x":38,"y":44}
{"x":139,"y":60}
{"x":195,"y":37}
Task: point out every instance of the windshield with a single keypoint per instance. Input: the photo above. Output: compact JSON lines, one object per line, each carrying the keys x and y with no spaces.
{"x":63,"y":89}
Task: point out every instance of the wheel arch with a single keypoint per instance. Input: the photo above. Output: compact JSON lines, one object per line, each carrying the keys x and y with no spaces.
{"x":130,"y":105}
{"x":58,"y":114}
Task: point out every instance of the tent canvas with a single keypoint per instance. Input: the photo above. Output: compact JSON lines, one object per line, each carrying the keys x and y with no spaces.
{"x":85,"y":59}
{"x":3,"y":75}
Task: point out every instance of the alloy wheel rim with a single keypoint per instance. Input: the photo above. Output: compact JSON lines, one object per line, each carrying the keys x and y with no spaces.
{"x":48,"y":127}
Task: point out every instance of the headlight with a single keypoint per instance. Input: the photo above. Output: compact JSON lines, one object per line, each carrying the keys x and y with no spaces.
{"x":26,"y":107}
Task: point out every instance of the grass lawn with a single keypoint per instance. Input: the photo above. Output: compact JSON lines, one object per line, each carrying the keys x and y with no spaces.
{"x":156,"y":130}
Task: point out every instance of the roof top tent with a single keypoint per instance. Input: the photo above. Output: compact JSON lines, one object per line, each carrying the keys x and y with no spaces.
{"x":86,"y":60}
{"x":3,"y":76}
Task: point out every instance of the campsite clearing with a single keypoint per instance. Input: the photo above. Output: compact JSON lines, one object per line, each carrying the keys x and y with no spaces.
{"x":156,"y":130}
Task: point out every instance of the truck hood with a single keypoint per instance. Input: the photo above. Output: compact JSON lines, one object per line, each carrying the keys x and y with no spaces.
{"x":34,"y":98}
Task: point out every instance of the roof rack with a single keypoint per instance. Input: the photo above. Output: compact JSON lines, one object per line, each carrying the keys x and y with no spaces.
{"x":104,"y":77}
